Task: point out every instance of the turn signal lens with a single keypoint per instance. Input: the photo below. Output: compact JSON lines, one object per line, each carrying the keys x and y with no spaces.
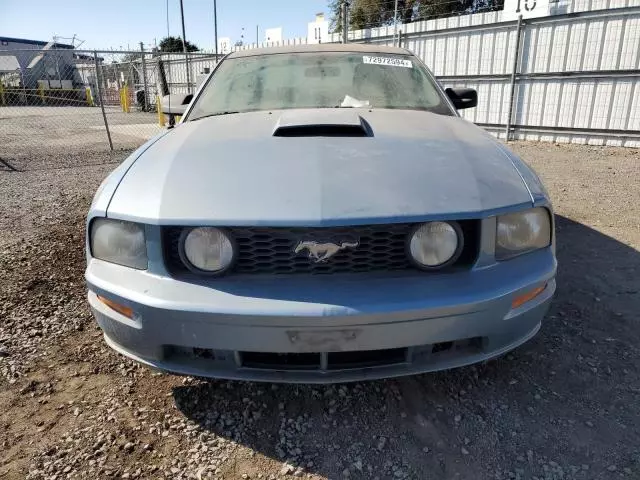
{"x":121,"y":309}
{"x":525,"y":297}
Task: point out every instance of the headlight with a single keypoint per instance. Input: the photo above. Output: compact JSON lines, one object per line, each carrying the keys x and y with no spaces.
{"x":436,"y":244}
{"x":119,"y":242}
{"x":522,"y":232}
{"x":207,"y":250}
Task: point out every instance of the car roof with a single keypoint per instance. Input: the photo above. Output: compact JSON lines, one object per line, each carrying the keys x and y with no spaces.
{"x":325,"y":47}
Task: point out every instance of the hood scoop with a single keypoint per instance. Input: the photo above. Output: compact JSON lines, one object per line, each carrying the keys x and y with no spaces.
{"x":322,"y":123}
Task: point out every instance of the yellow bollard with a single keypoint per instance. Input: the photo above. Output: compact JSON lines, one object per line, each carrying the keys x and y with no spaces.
{"x":87,"y":92}
{"x":41,"y":92}
{"x":159,"y":109}
{"x":126,"y":99}
{"x":2,"y":99}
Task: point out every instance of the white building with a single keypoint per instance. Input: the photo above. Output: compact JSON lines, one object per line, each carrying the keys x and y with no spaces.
{"x":224,"y":45}
{"x":318,"y":31}
{"x":273,"y":34}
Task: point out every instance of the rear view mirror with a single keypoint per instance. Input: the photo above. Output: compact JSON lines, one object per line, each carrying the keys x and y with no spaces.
{"x":462,"y":97}
{"x":176,"y":104}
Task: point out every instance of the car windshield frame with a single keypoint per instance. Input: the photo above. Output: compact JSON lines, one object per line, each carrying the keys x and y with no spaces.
{"x":392,"y":67}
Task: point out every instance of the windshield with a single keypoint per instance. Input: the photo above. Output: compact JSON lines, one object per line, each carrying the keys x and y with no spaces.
{"x":318,"y":80}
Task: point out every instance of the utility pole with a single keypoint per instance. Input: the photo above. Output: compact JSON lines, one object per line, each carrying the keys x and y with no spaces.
{"x":215,"y":25}
{"x":257,"y":41}
{"x":345,"y":22}
{"x":395,"y":23}
{"x":184,"y":48}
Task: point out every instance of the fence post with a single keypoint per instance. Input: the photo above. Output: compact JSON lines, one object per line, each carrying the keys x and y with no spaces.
{"x":395,"y":23}
{"x":185,"y":50}
{"x":188,"y":69}
{"x":101,"y":99}
{"x":345,"y":22}
{"x":41,"y":93}
{"x":144,"y":78}
{"x":514,"y":72}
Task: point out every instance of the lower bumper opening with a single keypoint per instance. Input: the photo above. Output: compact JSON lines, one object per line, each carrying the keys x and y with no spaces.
{"x":280,"y":361}
{"x":323,"y":361}
{"x":327,"y":361}
{"x":465,"y":346}
{"x":365,"y":358}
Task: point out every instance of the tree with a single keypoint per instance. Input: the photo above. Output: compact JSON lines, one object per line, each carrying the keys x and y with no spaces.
{"x":371,"y":13}
{"x":336,"y":16}
{"x":174,"y":44}
{"x":377,"y":13}
{"x":406,"y":10}
{"x":437,"y":9}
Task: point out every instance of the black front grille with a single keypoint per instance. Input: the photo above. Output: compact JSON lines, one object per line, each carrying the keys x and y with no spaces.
{"x":265,"y":250}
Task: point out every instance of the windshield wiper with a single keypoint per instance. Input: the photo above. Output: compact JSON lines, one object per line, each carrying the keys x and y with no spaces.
{"x":213,"y":115}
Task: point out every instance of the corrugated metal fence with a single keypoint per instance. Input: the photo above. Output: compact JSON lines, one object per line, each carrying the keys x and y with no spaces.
{"x":576,"y":75}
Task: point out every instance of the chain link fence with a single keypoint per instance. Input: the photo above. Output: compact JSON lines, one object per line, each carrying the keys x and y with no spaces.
{"x":74,"y":98}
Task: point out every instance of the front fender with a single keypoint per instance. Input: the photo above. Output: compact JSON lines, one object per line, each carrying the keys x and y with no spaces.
{"x":109,"y":185}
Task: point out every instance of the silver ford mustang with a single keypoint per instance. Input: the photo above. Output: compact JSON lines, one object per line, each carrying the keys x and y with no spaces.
{"x":320,"y":214}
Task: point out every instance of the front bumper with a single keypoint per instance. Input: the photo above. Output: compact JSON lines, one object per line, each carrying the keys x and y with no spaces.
{"x":393,"y":324}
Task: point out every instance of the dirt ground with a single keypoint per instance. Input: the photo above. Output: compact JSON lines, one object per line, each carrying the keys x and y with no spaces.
{"x":566,"y":405}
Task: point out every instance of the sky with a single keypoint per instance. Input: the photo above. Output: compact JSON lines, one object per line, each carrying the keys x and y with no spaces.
{"x":123,"y":24}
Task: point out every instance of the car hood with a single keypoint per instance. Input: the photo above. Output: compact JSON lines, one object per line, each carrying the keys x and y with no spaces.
{"x":232,"y":170}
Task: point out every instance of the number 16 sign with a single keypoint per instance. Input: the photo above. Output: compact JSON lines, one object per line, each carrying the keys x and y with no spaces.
{"x":526,"y":8}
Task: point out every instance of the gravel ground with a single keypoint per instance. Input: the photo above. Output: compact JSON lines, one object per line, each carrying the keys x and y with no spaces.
{"x":24,"y":129}
{"x":564,"y":406}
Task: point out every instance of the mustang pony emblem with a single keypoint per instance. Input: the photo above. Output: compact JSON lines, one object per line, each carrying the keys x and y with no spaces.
{"x":321,"y":252}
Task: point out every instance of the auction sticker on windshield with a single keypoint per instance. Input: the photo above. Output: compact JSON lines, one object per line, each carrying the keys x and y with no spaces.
{"x":394,"y":62}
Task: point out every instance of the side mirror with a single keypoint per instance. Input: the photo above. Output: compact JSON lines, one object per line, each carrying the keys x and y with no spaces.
{"x":176,"y":104}
{"x":462,"y":97}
